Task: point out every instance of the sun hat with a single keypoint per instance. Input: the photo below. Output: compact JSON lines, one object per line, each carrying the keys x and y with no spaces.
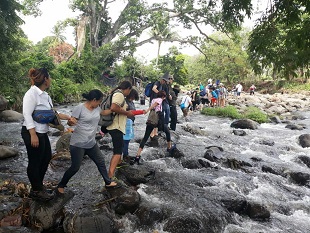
{"x":165,"y":77}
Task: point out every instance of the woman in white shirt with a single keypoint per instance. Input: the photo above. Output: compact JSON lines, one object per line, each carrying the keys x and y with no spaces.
{"x":187,"y":102}
{"x":34,"y":133}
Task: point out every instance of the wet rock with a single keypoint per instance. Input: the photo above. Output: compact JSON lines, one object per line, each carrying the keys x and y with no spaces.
{"x":176,"y":153}
{"x":213,"y":153}
{"x":12,"y":220}
{"x":257,"y":211}
{"x":270,"y":170}
{"x":300,"y":178}
{"x":13,"y":229}
{"x":48,"y":214}
{"x":7,"y":152}
{"x":136,"y":174}
{"x":305,"y":160}
{"x":304,"y":140}
{"x":194,"y":130}
{"x":89,"y":221}
{"x":239,"y":132}
{"x":3,"y":103}
{"x":10,"y":116}
{"x":9,"y":204}
{"x":126,"y":200}
{"x":267,"y":142}
{"x":294,"y":127}
{"x":63,"y":142}
{"x":276,"y":119}
{"x":191,"y":164}
{"x":244,"y":124}
{"x":207,"y":164}
{"x":149,"y":214}
{"x":184,"y":224}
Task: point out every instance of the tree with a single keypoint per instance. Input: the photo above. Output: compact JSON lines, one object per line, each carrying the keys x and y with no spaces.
{"x":12,"y":44}
{"x":138,"y":16}
{"x":225,"y":60}
{"x":173,"y":62}
{"x":280,"y":41}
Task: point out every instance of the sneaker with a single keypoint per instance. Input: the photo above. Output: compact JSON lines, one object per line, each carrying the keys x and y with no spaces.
{"x":41,"y":195}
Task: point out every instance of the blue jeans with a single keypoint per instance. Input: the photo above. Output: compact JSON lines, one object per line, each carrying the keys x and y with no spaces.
{"x":77,"y":154}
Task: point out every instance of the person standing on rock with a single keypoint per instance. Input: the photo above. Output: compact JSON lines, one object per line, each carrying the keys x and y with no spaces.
{"x":118,"y":128}
{"x":83,"y":142}
{"x":34,"y":132}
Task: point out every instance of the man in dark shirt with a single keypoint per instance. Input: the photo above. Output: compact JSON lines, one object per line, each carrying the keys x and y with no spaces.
{"x":172,"y":103}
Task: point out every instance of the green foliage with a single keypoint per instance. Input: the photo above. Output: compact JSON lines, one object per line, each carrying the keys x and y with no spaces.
{"x":225,"y":60}
{"x":228,"y":111}
{"x":256,"y":114}
{"x":173,"y":62}
{"x":252,"y":113}
{"x":280,"y":41}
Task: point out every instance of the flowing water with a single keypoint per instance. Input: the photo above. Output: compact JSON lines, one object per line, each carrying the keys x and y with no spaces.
{"x":271,"y":144}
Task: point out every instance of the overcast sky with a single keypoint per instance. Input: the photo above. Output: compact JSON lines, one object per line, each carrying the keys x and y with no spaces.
{"x":55,"y":10}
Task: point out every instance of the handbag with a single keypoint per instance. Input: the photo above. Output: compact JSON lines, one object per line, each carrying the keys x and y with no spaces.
{"x":152,"y":118}
{"x":50,"y":117}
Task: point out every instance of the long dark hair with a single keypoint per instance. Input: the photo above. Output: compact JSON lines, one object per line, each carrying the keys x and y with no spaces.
{"x":123,"y":86}
{"x":93,"y":94}
{"x":133,"y":94}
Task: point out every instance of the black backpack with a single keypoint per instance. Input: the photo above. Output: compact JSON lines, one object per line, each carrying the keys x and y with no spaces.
{"x":107,"y":120}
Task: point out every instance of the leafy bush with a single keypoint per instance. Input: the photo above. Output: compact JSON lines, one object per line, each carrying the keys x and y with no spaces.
{"x":252,"y":113}
{"x":256,"y":114}
{"x":228,"y":111}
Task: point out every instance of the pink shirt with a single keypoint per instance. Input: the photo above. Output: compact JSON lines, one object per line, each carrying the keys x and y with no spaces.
{"x":158,"y":108}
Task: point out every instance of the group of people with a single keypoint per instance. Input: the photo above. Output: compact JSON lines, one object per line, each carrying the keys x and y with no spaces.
{"x":85,"y":118}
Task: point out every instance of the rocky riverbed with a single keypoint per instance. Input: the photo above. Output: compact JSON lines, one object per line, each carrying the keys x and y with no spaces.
{"x":225,"y":176}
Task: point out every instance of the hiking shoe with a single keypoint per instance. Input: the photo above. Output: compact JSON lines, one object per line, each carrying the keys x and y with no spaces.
{"x":41,"y":195}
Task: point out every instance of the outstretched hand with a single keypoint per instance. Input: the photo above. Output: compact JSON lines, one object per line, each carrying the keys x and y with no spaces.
{"x":72,"y":121}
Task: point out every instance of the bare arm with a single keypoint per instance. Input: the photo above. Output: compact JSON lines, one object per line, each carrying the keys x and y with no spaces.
{"x":117,"y":109}
{"x":151,"y":107}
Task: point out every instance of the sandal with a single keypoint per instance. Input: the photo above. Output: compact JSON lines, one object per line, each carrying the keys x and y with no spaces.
{"x":174,"y":146}
{"x":112,"y":185}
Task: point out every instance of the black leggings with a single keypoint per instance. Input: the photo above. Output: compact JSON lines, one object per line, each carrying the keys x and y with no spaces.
{"x":148,"y":131}
{"x":38,"y":158}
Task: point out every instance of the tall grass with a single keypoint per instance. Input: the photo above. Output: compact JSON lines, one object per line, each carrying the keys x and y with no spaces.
{"x":229,"y":111}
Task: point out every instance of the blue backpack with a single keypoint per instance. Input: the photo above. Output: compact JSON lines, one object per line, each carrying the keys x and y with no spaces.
{"x":148,"y":89}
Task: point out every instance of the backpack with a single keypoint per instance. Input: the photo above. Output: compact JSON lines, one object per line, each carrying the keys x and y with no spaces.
{"x":197,"y":97}
{"x":203,"y":92}
{"x":148,"y":89}
{"x":107,"y":120}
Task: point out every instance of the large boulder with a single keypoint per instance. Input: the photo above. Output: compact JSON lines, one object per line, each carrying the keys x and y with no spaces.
{"x":10,"y":116}
{"x":304,"y":140}
{"x":63,"y":143}
{"x":3,"y":103}
{"x":244,"y":124}
{"x":7,"y":152}
{"x":89,"y":221}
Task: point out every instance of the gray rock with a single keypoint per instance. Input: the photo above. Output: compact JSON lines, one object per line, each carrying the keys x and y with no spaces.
{"x":7,"y":152}
{"x":304,"y":140}
{"x":3,"y":103}
{"x":10,"y":116}
{"x":244,"y":124}
{"x":89,"y":221}
{"x":63,"y":142}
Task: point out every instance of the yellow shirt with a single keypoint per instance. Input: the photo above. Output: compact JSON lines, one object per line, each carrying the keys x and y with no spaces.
{"x":119,"y":121}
